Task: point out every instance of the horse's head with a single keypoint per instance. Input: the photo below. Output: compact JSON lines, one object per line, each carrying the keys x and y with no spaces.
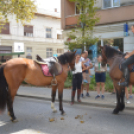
{"x":68,"y":57}
{"x":71,"y":60}
{"x":108,"y":53}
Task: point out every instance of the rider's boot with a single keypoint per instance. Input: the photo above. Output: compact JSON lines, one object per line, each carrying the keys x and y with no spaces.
{"x":126,"y":75}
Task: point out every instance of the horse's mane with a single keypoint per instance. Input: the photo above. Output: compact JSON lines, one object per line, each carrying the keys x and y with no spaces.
{"x":111,"y":52}
{"x":66,"y":57}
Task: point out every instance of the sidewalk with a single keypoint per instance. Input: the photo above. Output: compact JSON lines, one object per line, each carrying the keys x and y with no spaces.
{"x":45,"y":94}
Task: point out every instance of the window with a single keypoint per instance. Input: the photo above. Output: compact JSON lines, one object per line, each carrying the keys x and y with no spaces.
{"x":77,"y":10}
{"x":59,"y":36}
{"x":116,"y":3}
{"x":29,"y":49}
{"x":29,"y":56}
{"x":48,"y":33}
{"x":49,"y":52}
{"x":111,"y":3}
{"x":28,"y":31}
{"x":5,"y":29}
{"x":60,"y":51}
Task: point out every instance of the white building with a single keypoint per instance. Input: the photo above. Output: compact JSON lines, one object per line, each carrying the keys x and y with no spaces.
{"x":43,"y":35}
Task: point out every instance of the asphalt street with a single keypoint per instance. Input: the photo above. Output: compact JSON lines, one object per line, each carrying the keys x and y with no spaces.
{"x":34,"y":115}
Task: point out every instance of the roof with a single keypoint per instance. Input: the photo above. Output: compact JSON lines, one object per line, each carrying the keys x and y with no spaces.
{"x":46,"y":13}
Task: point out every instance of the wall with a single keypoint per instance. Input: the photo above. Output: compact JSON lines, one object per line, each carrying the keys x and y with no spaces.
{"x":39,"y":26}
{"x":38,"y":42}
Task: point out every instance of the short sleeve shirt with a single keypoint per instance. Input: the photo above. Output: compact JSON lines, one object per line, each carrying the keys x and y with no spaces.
{"x":82,"y":59}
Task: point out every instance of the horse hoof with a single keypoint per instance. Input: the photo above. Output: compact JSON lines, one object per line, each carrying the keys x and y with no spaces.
{"x":55,"y":111}
{"x":115,"y":111}
{"x":63,"y":113}
{"x":122,"y":108}
{"x":15,"y":120}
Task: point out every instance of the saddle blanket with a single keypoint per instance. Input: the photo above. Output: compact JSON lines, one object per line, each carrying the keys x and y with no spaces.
{"x":45,"y":70}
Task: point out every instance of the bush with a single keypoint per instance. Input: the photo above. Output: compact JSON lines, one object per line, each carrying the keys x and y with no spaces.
{"x":92,"y":86}
{"x":68,"y":83}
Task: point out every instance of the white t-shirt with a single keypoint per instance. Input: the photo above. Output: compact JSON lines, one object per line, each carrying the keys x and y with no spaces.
{"x":78,"y":68}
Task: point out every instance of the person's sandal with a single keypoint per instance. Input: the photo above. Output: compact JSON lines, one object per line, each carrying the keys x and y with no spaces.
{"x":79,"y":100}
{"x":102,"y":97}
{"x":98,"y":96}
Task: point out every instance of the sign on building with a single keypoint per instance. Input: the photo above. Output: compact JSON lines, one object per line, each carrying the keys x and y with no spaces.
{"x":93,"y":48}
{"x":18,"y":47}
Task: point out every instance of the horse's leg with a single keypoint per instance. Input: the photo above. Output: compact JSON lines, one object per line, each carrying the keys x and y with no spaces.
{"x":117,"y":108}
{"x":10,"y":107}
{"x":122,"y":106}
{"x":60,"y":96}
{"x":13,"y":86}
{"x":53,"y":94}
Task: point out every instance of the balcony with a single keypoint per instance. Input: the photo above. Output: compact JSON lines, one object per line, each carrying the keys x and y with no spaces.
{"x":33,"y":39}
{"x":107,"y":16}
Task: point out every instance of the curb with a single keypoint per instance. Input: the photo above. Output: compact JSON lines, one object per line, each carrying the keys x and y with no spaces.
{"x":82,"y":103}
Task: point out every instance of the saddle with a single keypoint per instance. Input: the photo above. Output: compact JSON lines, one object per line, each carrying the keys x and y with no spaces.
{"x":130,"y":67}
{"x":50,"y":67}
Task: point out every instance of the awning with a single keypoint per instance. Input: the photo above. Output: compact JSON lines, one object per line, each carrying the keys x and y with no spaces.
{"x":9,"y":54}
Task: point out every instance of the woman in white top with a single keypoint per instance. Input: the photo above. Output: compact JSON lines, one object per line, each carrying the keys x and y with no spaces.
{"x":77,"y":79}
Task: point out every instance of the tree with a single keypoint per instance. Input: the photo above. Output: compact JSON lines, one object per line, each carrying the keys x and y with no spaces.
{"x":23,"y":10}
{"x":82,"y":34}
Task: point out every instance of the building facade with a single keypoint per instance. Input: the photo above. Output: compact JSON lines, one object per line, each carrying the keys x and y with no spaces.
{"x":43,"y":36}
{"x":114,"y":14}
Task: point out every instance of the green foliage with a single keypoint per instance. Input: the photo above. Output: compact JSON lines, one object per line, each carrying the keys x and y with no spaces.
{"x":109,"y":83}
{"x":23,"y":10}
{"x":92,"y":86}
{"x":23,"y":82}
{"x":82,"y":35}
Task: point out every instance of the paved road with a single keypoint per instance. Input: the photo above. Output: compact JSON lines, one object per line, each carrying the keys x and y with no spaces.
{"x":33,"y":116}
{"x":45,"y":93}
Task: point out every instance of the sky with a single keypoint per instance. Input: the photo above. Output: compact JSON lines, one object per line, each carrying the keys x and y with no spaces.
{"x":49,"y":4}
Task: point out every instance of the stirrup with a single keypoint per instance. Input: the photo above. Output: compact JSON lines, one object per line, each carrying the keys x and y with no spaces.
{"x":120,"y":83}
{"x":54,"y":80}
{"x":124,"y":84}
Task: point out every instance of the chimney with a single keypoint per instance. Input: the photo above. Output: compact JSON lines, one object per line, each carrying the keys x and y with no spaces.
{"x":55,"y":9}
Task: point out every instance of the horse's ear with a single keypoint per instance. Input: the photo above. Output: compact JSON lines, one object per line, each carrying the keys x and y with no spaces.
{"x":75,"y":51}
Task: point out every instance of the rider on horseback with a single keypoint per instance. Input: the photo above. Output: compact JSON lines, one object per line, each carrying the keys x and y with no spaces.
{"x":124,"y":66}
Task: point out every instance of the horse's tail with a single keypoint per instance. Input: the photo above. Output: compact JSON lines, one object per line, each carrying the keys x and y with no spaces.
{"x":3,"y":89}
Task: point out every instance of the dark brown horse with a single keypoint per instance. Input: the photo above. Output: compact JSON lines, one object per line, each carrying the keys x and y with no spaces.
{"x":114,"y":58}
{"x":14,"y":71}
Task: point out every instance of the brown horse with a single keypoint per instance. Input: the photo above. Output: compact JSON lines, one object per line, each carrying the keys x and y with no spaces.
{"x":114,"y":58}
{"x":14,"y":71}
